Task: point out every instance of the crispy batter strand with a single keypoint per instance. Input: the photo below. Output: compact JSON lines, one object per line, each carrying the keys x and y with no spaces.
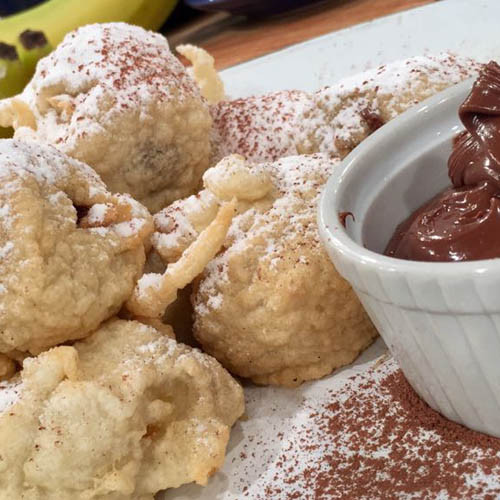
{"x":178,"y":225}
{"x":207,"y":78}
{"x":15,"y":113}
{"x":152,"y":296}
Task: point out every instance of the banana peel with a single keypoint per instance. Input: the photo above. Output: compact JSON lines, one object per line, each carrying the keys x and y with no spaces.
{"x":34,"y":45}
{"x":55,"y":18}
{"x":11,"y":70}
{"x":17,"y":63}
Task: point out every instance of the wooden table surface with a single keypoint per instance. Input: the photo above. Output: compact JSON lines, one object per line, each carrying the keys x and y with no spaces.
{"x":232,"y":40}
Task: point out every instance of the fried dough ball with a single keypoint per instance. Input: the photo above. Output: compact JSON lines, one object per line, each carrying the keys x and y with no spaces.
{"x":346,"y":113}
{"x":115,"y":97}
{"x":260,"y":128}
{"x":71,"y":252}
{"x":197,"y":229}
{"x":335,"y":119}
{"x":121,"y":415}
{"x":270,"y":306}
{"x":189,"y":234}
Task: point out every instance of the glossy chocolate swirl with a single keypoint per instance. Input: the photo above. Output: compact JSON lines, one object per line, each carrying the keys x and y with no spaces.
{"x":476,"y":153}
{"x":463,"y":221}
{"x":457,"y":224}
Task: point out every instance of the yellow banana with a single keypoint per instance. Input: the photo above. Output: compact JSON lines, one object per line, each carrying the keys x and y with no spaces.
{"x":56,"y":17}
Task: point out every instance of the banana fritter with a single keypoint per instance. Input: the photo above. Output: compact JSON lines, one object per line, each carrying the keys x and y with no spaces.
{"x":121,"y":415}
{"x":270,"y":306}
{"x":71,"y":252}
{"x":115,"y":97}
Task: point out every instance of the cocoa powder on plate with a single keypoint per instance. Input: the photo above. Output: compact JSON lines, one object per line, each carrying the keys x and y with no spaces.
{"x":376,"y":439}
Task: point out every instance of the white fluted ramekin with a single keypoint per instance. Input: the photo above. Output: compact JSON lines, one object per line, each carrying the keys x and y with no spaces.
{"x":441,"y":321}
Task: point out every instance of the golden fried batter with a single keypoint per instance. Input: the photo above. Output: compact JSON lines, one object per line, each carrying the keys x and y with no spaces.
{"x":115,"y":97}
{"x":203,"y":72}
{"x":155,"y":292}
{"x":334,"y":119}
{"x":195,"y":231}
{"x":70,"y":251}
{"x":121,"y":415}
{"x":270,"y":306}
{"x":346,"y":113}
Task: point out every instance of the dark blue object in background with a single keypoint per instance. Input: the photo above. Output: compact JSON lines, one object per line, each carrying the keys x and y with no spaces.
{"x":8,"y":7}
{"x":249,"y":7}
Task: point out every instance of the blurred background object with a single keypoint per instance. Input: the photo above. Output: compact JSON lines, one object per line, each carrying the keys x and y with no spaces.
{"x":232,"y":30}
{"x":250,"y":7}
{"x":233,"y":39}
{"x":55,"y":18}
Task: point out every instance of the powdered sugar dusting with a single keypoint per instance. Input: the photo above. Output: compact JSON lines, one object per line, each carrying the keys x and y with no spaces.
{"x":334,"y":119}
{"x":147,"y":281}
{"x":43,"y":162}
{"x":345,"y":113}
{"x":97,"y":213}
{"x":101,"y":70}
{"x":174,"y":227}
{"x":129,"y":228}
{"x":261,"y":128}
{"x":10,"y":391}
{"x":215,"y":301}
{"x":6,"y":215}
{"x":163,"y":350}
{"x":365,"y":436}
{"x":298,"y":181}
{"x":6,"y":249}
{"x":163,"y":346}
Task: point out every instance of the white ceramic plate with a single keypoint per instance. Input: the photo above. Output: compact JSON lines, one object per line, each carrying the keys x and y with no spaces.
{"x":466,"y":27}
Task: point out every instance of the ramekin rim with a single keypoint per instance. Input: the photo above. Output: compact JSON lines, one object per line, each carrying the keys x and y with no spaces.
{"x":335,"y":236}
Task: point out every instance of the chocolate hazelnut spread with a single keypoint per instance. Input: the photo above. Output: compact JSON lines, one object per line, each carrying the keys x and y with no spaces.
{"x":343,"y":217}
{"x":463,"y":221}
{"x":476,"y":153}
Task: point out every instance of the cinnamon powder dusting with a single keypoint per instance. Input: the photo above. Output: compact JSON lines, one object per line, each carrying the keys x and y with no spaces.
{"x":377,"y":440}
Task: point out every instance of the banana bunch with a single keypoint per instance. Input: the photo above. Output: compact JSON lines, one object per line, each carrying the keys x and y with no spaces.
{"x":31,"y":34}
